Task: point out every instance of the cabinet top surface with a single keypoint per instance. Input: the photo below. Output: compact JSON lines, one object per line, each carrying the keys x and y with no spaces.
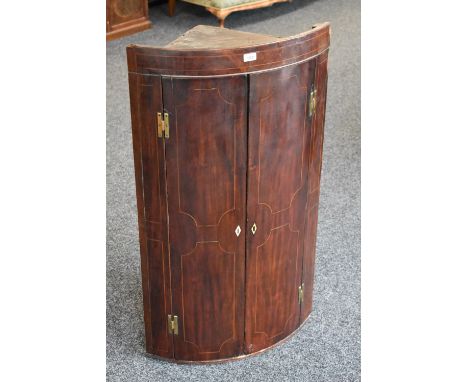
{"x":212,"y":51}
{"x":209,"y":37}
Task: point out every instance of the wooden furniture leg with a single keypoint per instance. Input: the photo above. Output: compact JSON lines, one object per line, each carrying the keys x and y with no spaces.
{"x":171,"y":7}
{"x":221,"y":23}
{"x":220,"y":15}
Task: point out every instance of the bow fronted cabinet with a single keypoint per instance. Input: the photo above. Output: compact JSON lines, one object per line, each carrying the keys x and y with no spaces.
{"x":227,"y":137}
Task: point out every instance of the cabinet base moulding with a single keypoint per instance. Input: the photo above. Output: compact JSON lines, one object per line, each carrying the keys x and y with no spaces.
{"x":129,"y":28}
{"x":237,"y":358}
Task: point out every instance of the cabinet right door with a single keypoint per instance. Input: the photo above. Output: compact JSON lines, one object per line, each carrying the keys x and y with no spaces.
{"x":279,"y":155}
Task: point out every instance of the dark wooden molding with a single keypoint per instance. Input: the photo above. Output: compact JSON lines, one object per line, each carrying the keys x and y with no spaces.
{"x":209,"y":62}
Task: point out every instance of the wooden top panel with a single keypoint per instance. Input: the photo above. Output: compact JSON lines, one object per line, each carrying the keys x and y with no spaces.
{"x":208,"y":37}
{"x":212,"y":51}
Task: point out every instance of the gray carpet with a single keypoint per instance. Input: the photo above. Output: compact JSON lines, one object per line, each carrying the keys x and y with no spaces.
{"x":327,"y":348}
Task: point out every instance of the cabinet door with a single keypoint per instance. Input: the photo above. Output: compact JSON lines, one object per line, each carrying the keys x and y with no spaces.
{"x":206,"y":172}
{"x":146,"y":101}
{"x":278,"y":160}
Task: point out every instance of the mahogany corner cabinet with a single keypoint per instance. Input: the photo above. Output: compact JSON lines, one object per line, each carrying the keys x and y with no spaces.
{"x":227,"y":138}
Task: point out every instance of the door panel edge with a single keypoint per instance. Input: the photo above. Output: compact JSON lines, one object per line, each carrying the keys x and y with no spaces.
{"x":145,"y":99}
{"x":315,"y":168}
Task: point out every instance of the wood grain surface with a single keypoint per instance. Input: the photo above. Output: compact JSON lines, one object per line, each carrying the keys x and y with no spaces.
{"x":124,"y":17}
{"x":206,"y":165}
{"x":315,"y":168}
{"x":228,"y":202}
{"x":279,"y":141}
{"x":146,"y":100}
{"x":225,"y":61}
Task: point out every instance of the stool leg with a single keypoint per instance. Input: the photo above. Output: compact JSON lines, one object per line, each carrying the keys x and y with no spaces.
{"x":171,"y":7}
{"x":220,"y":15}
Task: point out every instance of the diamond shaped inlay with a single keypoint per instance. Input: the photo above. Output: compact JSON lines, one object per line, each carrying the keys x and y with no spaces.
{"x":238,"y":231}
{"x":254,"y":228}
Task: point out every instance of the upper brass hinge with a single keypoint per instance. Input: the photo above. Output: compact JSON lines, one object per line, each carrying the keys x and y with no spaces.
{"x":173,"y":324}
{"x":163,"y":125}
{"x":312,"y":101}
{"x":301,"y":293}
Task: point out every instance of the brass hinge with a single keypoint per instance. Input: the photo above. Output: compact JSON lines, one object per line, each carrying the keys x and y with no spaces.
{"x":312,"y":101}
{"x":301,"y":293}
{"x":163,"y":125}
{"x":173,"y":324}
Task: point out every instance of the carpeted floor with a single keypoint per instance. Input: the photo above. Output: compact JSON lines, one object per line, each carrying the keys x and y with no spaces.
{"x":327,"y":348}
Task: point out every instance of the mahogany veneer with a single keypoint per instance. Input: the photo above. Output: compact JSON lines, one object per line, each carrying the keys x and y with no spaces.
{"x":227,"y":137}
{"x":125,"y":17}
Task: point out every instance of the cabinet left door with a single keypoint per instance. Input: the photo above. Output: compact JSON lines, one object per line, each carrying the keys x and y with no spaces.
{"x":205,"y":152}
{"x":146,"y":102}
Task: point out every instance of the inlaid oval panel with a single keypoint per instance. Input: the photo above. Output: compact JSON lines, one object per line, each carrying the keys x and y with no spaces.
{"x":278,"y":298}
{"x":205,"y":154}
{"x":282,"y":120}
{"x":210,"y":271}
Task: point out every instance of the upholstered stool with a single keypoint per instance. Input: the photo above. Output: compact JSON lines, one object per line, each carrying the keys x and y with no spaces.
{"x":223,"y":8}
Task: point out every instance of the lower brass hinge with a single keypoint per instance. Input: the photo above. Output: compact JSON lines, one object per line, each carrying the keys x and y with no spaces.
{"x":301,"y":293}
{"x":173,"y":324}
